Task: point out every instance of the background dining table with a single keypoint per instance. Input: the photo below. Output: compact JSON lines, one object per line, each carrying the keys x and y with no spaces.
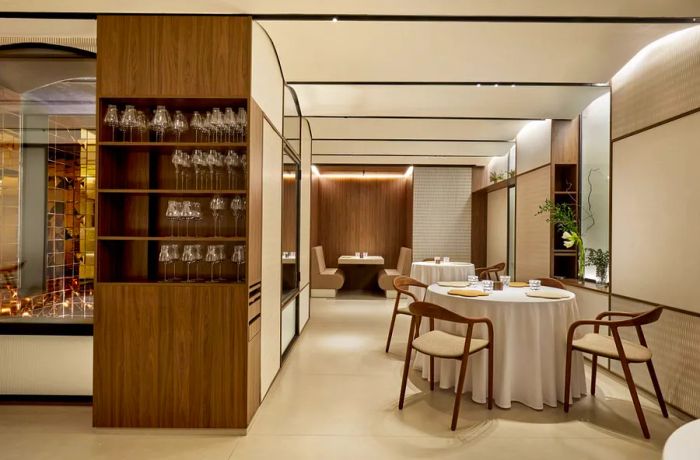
{"x":361,"y":272}
{"x":529,"y":346}
{"x":431,"y":272}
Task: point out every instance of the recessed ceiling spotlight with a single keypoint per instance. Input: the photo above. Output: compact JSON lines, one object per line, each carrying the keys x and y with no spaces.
{"x":495,"y":85}
{"x":513,"y":85}
{"x":335,"y":19}
{"x":478,"y":85}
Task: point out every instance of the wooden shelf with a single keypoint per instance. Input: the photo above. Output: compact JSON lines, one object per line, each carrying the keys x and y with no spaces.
{"x":571,"y":192}
{"x":241,"y":239}
{"x":145,"y":191}
{"x":565,"y":252}
{"x":174,"y":145}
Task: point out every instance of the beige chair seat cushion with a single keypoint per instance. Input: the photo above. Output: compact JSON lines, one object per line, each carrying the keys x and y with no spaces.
{"x":604,"y":345}
{"x":404,"y":310}
{"x":444,"y":345}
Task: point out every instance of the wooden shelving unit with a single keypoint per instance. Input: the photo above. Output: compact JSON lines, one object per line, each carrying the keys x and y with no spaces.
{"x":565,"y":190}
{"x":174,"y":354}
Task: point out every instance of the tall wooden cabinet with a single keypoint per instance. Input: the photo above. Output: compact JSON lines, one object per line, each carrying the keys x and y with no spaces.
{"x":174,"y":353}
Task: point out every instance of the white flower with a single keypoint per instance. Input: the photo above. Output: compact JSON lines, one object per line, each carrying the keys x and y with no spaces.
{"x":570,"y":239}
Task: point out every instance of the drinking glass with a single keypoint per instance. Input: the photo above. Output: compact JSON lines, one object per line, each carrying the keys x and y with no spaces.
{"x":221,"y":256}
{"x":198,"y":254}
{"x":217,"y":204}
{"x":112,"y":118}
{"x":174,"y":253}
{"x":207,"y":126}
{"x":186,"y":164}
{"x":488,"y":285}
{"x":199,"y":161}
{"x":189,"y":256}
{"x":505,"y":279}
{"x":242,"y":122}
{"x":160,"y":122}
{"x":237,"y":209}
{"x":535,"y":284}
{"x":197,"y":124}
{"x":164,"y":257}
{"x":231,"y":161}
{"x":173,"y":213}
{"x":214,"y":160}
{"x":238,"y":257}
{"x":473,"y":279}
{"x":364,"y":254}
{"x":446,"y":260}
{"x":187,"y":215}
{"x":141,"y":124}
{"x":357,"y":254}
{"x":217,"y":122}
{"x":196,"y":212}
{"x":229,"y":123}
{"x":211,"y":258}
{"x":176,"y":160}
{"x":129,"y":121}
{"x":179,"y":124}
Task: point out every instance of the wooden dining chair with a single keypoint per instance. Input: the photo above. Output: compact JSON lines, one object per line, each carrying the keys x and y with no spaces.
{"x":614,"y":347}
{"x":484,"y":273}
{"x":439,"y":344}
{"x":402,"y":284}
{"x":553,"y":283}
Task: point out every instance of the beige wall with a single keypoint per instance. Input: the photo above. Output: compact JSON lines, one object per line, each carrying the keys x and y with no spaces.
{"x":532,"y":239}
{"x":534,"y":145}
{"x":497,"y":225}
{"x":655,"y":203}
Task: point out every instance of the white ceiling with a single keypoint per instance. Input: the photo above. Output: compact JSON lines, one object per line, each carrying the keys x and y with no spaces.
{"x":446,"y":101}
{"x":397,"y":128}
{"x":633,"y":8}
{"x":457,"y":51}
{"x":411,"y":148}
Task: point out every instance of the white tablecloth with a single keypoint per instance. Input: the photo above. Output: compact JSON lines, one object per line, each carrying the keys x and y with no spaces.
{"x":430,"y":272}
{"x":529,"y":347}
{"x":684,"y":443}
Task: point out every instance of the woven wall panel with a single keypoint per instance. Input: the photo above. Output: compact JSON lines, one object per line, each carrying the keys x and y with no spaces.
{"x":675,"y":344}
{"x":660,"y":83}
{"x":83,"y":43}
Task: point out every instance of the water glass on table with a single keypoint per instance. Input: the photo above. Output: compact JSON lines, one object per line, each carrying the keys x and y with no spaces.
{"x":473,"y":279}
{"x":535,"y":284}
{"x":488,"y":285}
{"x":505,"y":279}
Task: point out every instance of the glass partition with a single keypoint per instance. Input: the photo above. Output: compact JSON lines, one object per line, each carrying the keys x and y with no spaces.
{"x":290,"y":223}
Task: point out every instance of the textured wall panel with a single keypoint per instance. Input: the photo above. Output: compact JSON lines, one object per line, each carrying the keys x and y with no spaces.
{"x":497,"y":227}
{"x":532,"y":232}
{"x":83,"y":43}
{"x":442,"y":212}
{"x":661,"y":82}
{"x":675,"y":344}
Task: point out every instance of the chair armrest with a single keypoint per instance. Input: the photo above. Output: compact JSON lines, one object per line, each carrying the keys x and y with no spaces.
{"x":616,"y":313}
{"x":596,"y":323}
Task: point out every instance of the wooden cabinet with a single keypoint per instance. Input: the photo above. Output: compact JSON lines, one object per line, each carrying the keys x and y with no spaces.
{"x":166,"y":353}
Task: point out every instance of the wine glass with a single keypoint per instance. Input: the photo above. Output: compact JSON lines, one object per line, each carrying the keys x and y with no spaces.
{"x":212,"y":258}
{"x":198,"y":254}
{"x":160,"y":121}
{"x":186,"y":164}
{"x":217,"y":204}
{"x":164,"y":257}
{"x":176,"y":160}
{"x":238,"y":257}
{"x":173,"y":213}
{"x":242,"y":122}
{"x":221,"y":256}
{"x":199,"y":161}
{"x":214,"y":160}
{"x":179,"y":124}
{"x":187,"y":215}
{"x":229,"y":123}
{"x":237,"y":209}
{"x":141,"y":123}
{"x":129,"y":121}
{"x":112,"y":118}
{"x":174,"y":252}
{"x":207,"y":126}
{"x":196,"y":211}
{"x":197,"y":124}
{"x":231,"y":161}
{"x":189,"y":256}
{"x":217,"y":122}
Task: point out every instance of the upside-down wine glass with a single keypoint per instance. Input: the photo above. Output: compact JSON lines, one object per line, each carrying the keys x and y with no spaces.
{"x":112,"y":118}
{"x":179,"y":124}
{"x":173,"y":213}
{"x":237,"y":209}
{"x":217,"y":204}
{"x":231,"y":161}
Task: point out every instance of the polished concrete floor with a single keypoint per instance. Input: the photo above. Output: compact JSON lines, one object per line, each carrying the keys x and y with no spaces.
{"x":336,"y":398}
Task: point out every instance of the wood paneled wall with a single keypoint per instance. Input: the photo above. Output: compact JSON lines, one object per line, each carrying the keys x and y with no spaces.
{"x":152,"y":56}
{"x":532,"y":236}
{"x":360,"y":215}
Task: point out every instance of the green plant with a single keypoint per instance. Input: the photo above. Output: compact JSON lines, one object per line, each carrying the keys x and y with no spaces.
{"x":563,"y":216}
{"x":496,"y":176}
{"x":600,"y":259}
{"x":511,"y":173}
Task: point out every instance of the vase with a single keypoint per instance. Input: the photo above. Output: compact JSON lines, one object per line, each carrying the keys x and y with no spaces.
{"x":581,"y":263}
{"x":601,"y":276}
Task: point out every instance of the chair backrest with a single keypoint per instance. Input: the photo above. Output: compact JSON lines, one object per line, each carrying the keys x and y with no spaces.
{"x":402,"y":283}
{"x":551,"y":282}
{"x":485,"y":272}
{"x":317,"y":259}
{"x":404,"y":264}
{"x":645,"y":317}
{"x":432,"y":311}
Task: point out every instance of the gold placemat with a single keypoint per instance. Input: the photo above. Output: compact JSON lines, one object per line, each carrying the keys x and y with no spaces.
{"x":455,"y":284}
{"x":518,"y":284}
{"x":547,"y":294}
{"x":467,"y":292}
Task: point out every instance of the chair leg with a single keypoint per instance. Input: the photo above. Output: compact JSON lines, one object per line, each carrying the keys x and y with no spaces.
{"x":490,"y":396}
{"x":567,"y":377}
{"x":404,"y":381}
{"x":594,"y":369}
{"x":432,"y":373}
{"x":657,"y":388}
{"x":391,"y":331}
{"x":417,"y":333}
{"x":460,"y":387}
{"x":635,"y":397}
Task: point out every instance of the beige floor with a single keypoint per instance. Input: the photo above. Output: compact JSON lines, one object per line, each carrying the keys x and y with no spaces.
{"x":336,"y":397}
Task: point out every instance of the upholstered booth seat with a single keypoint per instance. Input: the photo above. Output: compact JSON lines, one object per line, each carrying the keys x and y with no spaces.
{"x":444,"y":345}
{"x":325,"y":281}
{"x":604,"y":345}
{"x":387,"y":276}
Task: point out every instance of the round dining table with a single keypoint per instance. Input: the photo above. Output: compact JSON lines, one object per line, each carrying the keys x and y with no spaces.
{"x":431,"y":272}
{"x":529,"y":346}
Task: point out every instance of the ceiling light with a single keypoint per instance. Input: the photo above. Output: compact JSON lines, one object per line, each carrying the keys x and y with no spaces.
{"x":513,"y":85}
{"x":495,"y":85}
{"x":478,"y":85}
{"x":335,"y":19}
